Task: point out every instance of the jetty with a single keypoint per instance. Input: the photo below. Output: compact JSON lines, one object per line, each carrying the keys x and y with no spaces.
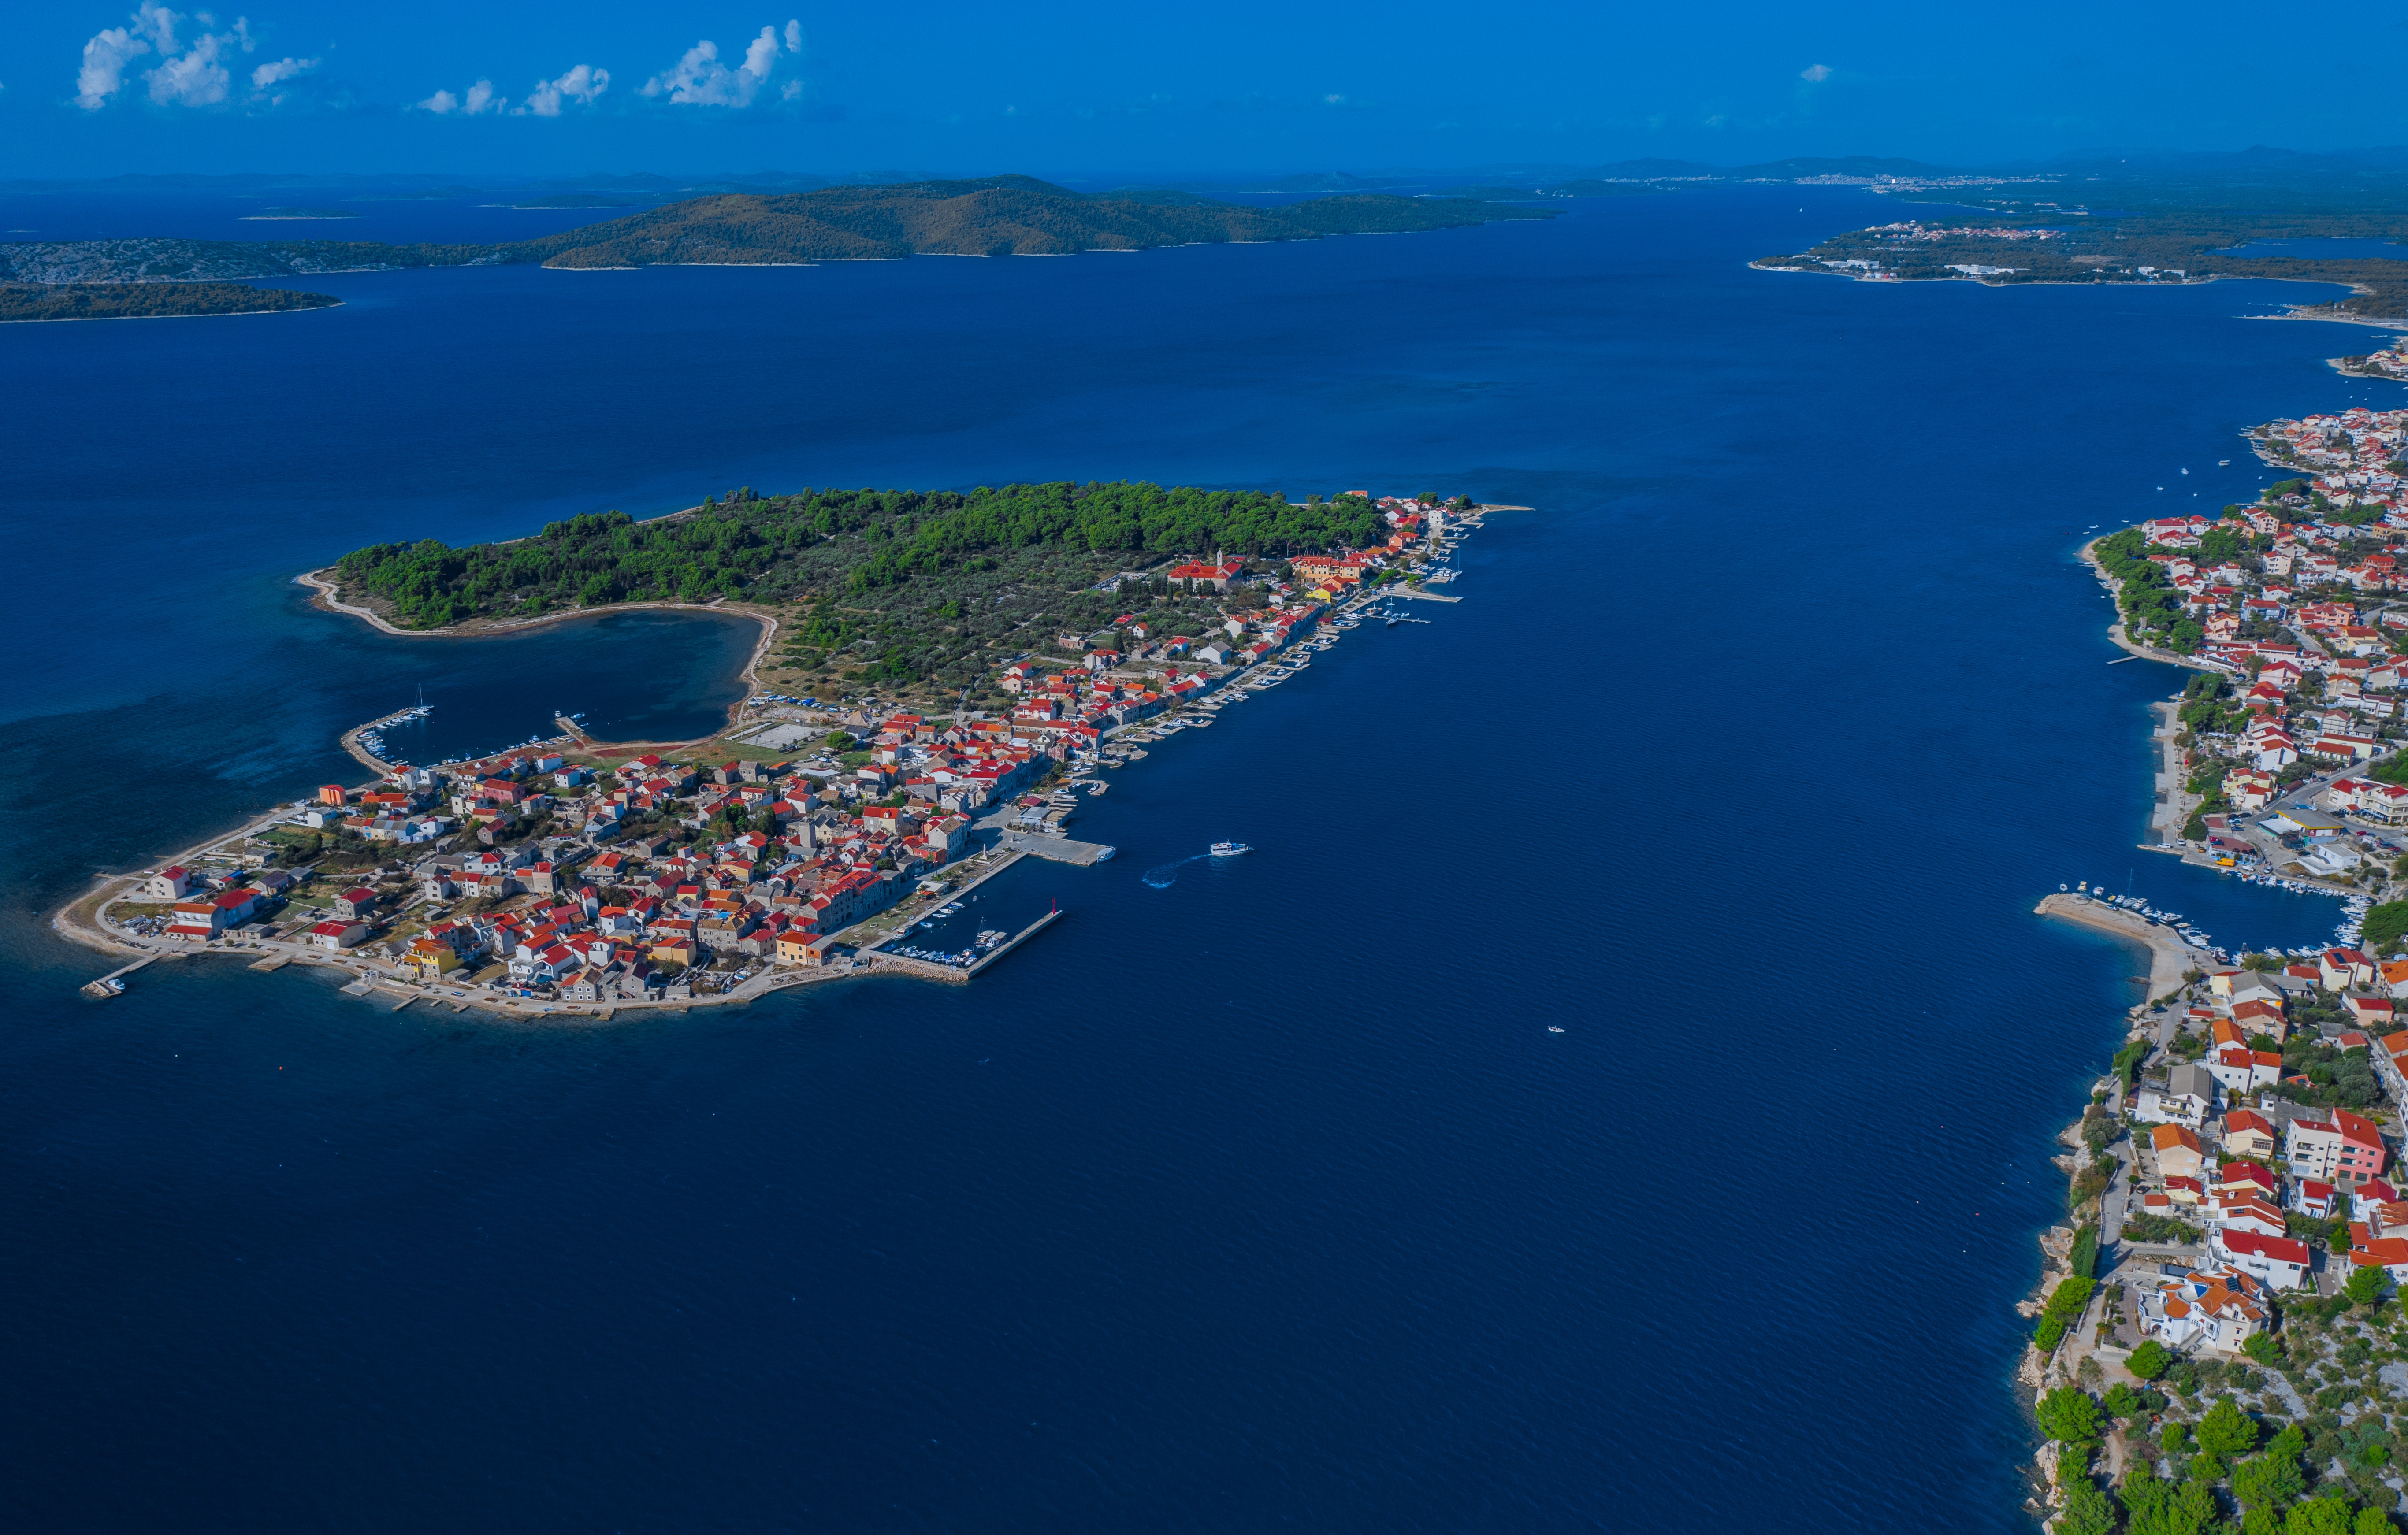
{"x":102,"y":989}
{"x":1418,"y":594}
{"x":1014,"y":941}
{"x":929,"y":970}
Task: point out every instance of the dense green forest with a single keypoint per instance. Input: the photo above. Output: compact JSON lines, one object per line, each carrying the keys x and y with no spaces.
{"x":910,"y":591}
{"x":147,"y":300}
{"x":1049,"y":538}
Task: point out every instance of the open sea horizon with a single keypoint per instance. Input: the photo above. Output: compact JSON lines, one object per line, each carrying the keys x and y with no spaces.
{"x":1261,"y":1194}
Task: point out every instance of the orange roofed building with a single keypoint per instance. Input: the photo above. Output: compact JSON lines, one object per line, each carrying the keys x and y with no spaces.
{"x":2177,"y":1151}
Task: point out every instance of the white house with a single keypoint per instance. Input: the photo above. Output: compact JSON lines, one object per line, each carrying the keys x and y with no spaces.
{"x":2221,"y":1307}
{"x":2280,"y":1263}
{"x":2187,"y":1097}
{"x":170,"y":884}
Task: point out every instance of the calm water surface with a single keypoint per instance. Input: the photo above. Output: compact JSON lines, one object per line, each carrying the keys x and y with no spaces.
{"x":1260,"y":1196}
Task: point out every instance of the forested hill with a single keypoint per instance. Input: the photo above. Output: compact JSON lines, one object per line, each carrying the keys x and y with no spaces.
{"x":1000,"y":216}
{"x":147,"y":300}
{"x":162,"y":260}
{"x":1023,"y":547}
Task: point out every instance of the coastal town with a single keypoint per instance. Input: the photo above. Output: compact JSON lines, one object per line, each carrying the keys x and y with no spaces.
{"x":2293,"y":614}
{"x":810,"y":841}
{"x":2219,"y":1333}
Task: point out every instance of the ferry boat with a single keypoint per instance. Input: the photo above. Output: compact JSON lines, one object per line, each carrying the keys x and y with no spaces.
{"x":1230,"y":849}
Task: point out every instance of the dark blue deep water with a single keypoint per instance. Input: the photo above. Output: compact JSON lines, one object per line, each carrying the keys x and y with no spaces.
{"x":1261,"y":1197}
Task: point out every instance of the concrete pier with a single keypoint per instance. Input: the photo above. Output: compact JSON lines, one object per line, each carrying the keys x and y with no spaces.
{"x":1057,"y":849}
{"x":1017,"y":939}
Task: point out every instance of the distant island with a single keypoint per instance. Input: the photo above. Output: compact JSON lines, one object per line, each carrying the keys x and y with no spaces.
{"x":999,"y":216}
{"x":2137,"y":227}
{"x":277,"y":214}
{"x":919,"y":593}
{"x":578,"y":200}
{"x":1002,"y":216}
{"x":150,"y":301}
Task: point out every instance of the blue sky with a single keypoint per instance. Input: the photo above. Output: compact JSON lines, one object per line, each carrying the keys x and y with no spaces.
{"x":96,"y":87}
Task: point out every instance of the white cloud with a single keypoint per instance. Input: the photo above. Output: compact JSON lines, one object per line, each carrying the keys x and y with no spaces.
{"x":702,"y":79}
{"x":158,"y":23}
{"x":1815,"y":72}
{"x":104,"y":59}
{"x":761,"y":54}
{"x":194,"y":76}
{"x":793,"y":92}
{"x":583,"y":84}
{"x":480,"y":99}
{"x":282,"y":69}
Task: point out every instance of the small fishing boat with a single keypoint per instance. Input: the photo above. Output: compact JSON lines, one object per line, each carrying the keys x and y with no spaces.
{"x":1230,"y":849}
{"x":1554,"y":1028}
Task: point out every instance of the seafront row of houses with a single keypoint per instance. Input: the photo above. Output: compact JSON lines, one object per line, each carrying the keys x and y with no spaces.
{"x":644,"y":872}
{"x":2248,"y":1170}
{"x":2350,"y":452}
{"x":2290,"y":598}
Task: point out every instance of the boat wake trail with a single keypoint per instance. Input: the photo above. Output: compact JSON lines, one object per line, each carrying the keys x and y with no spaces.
{"x":1163,"y":877}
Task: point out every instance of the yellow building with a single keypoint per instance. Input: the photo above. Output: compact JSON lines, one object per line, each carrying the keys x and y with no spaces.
{"x":432,"y":959}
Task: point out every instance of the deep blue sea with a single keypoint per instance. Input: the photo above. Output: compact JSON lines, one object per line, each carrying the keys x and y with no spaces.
{"x":1260,"y":1196}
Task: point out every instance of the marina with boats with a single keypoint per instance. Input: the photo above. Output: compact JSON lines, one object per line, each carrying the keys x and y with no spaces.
{"x":2347,"y":933}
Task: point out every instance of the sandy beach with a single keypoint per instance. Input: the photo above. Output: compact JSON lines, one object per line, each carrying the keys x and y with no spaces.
{"x":2169,"y":958}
